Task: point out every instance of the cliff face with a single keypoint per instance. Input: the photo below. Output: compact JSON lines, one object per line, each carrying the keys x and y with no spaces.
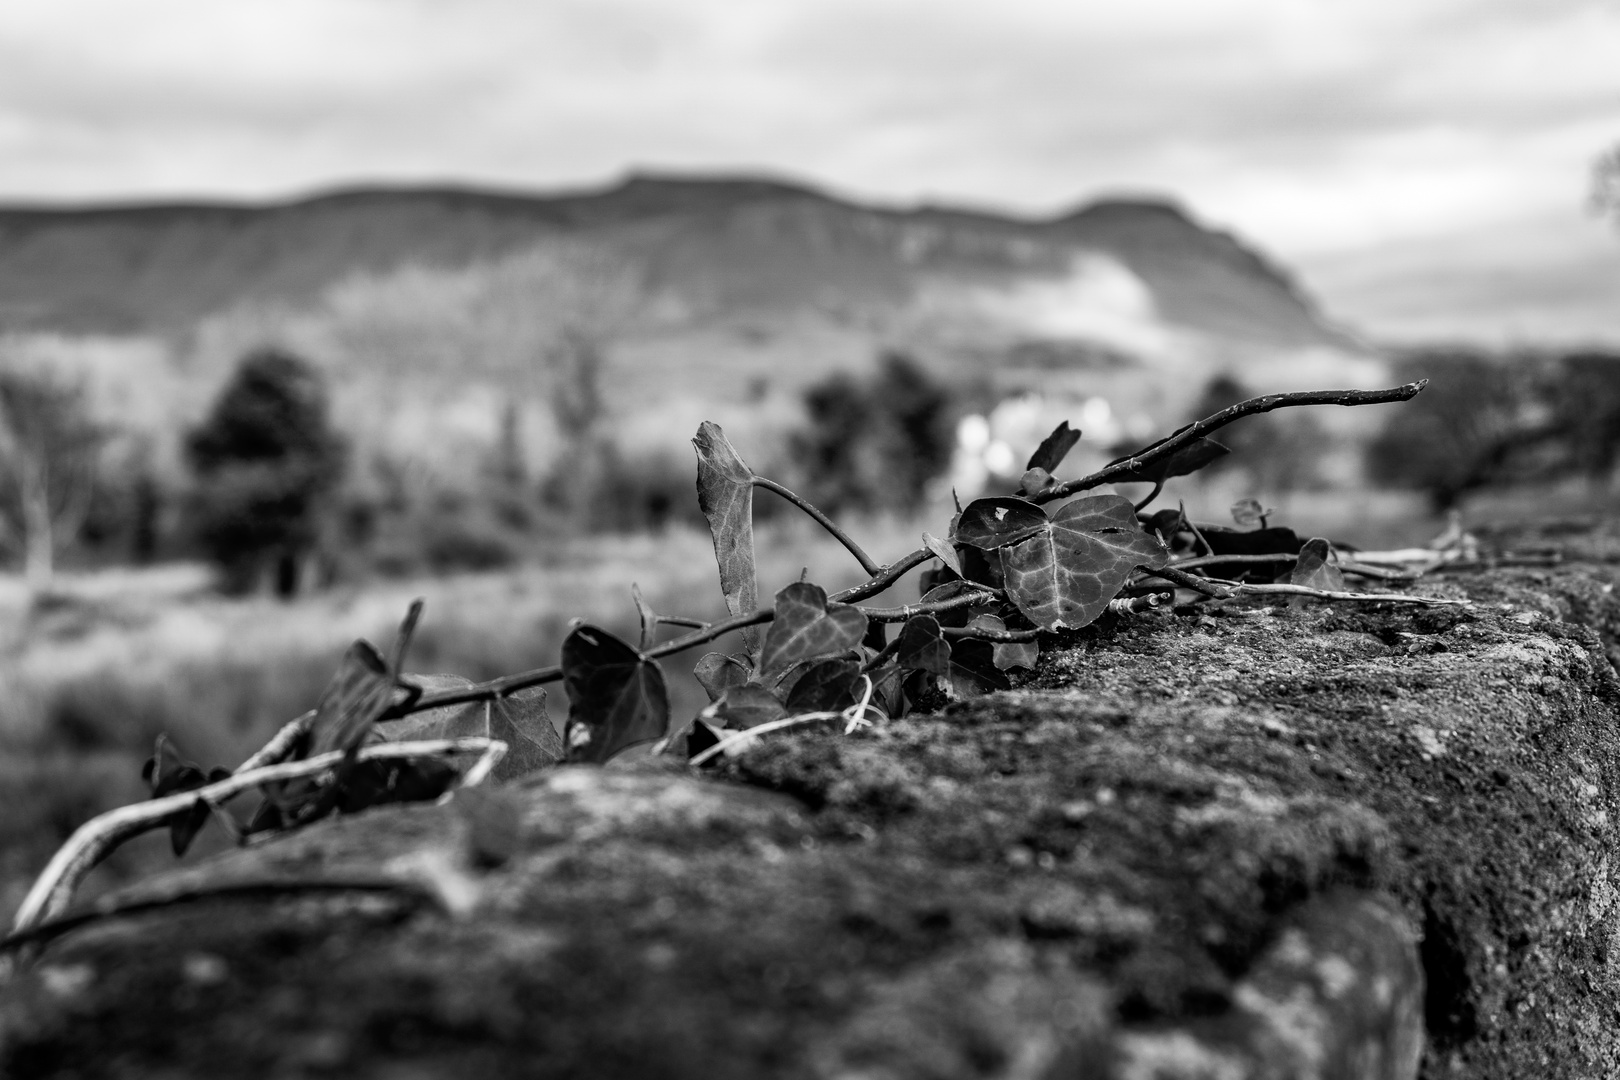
{"x":1224,"y":841}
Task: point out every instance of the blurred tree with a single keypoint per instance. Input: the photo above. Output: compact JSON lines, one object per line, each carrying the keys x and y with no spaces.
{"x":1485,"y":421}
{"x":874,"y":442}
{"x":48,"y":450}
{"x":1606,"y":184}
{"x":266,"y":461}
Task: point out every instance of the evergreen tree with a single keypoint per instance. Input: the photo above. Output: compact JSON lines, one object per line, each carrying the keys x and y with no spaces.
{"x":266,"y":461}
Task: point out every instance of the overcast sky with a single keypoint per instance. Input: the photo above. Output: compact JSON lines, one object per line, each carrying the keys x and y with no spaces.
{"x":1424,"y":164}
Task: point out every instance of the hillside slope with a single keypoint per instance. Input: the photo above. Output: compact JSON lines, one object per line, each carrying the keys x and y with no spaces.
{"x":725,"y":247}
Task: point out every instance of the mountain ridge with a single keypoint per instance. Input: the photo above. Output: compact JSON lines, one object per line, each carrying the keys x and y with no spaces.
{"x":141,"y":266}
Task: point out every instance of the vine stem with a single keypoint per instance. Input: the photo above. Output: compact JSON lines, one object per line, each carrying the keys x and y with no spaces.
{"x":1162,"y":450}
{"x":507,"y":684}
{"x":54,"y":888}
{"x":872,"y":568}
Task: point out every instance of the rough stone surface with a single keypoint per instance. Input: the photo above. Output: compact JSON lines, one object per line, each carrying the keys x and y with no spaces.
{"x":1223,"y":842}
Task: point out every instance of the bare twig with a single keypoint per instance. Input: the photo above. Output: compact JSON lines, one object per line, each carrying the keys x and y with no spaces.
{"x":93,"y":840}
{"x":824,"y":521}
{"x":986,"y":633}
{"x":1348,"y":567}
{"x":1132,"y":605}
{"x":281,"y":744}
{"x":1159,"y":451}
{"x":1189,"y":581}
{"x":853,"y":717}
{"x":884,"y":578}
{"x":1327,"y":594}
{"x":955,"y":603}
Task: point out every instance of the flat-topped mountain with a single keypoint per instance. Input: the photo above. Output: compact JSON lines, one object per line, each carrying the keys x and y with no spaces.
{"x":726,"y":247}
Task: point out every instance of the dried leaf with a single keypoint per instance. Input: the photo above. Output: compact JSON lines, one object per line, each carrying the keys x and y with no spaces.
{"x":943,"y":552}
{"x":1064,"y":574}
{"x":1054,"y":448}
{"x":1317,"y":567}
{"x":825,"y":685}
{"x":717,"y":673}
{"x":746,"y":706}
{"x":649,"y":618}
{"x":726,"y":497}
{"x":807,"y":627}
{"x":922,"y":647}
{"x":616,"y":696}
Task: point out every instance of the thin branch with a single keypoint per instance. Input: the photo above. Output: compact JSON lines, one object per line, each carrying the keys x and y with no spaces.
{"x":1189,"y":581}
{"x":1134,"y":605}
{"x":955,"y":603}
{"x":884,"y":578}
{"x":281,"y":745}
{"x":93,"y":840}
{"x":1348,"y":567}
{"x":1327,"y":594}
{"x":824,"y":521}
{"x":985,"y":633}
{"x":1162,"y":450}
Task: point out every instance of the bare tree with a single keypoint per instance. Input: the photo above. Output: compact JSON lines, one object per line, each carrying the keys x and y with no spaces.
{"x":48,"y":448}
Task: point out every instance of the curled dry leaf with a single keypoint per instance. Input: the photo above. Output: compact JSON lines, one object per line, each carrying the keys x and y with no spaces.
{"x":1053,"y":449}
{"x":726,"y":496}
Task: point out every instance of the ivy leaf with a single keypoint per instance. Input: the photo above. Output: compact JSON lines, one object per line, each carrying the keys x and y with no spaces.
{"x":726,"y":496}
{"x":826,"y":685}
{"x":1277,"y":540}
{"x":746,"y":706}
{"x":1184,"y":462}
{"x":1007,"y":655}
{"x":1248,"y":512}
{"x":519,"y":720}
{"x":806,"y":627}
{"x":921,"y":646}
{"x":616,"y":696}
{"x":649,"y":617}
{"x":887,"y":693}
{"x":1317,"y":567}
{"x":973,"y":669}
{"x":717,"y":673}
{"x":950,"y":591}
{"x":988,"y":524}
{"x":1065,"y":574}
{"x":168,"y":773}
{"x":1053,"y":449}
{"x":943,"y":552}
{"x":359,"y":692}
